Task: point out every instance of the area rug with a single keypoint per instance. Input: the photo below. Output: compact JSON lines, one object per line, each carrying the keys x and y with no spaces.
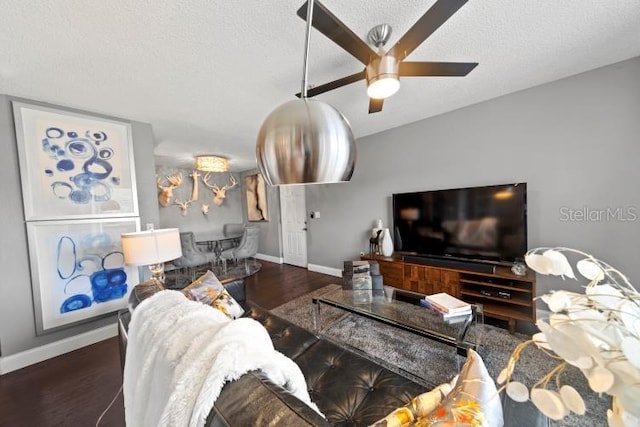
{"x":436,"y":362}
{"x":243,"y":268}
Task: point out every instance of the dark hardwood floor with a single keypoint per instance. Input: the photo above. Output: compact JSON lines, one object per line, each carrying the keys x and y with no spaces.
{"x":276,"y":284}
{"x":73,"y":389}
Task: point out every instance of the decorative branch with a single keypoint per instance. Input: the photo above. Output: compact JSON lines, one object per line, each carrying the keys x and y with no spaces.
{"x":597,"y":331}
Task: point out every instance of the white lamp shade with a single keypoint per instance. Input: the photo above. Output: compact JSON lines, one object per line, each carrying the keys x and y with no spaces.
{"x":151,"y":247}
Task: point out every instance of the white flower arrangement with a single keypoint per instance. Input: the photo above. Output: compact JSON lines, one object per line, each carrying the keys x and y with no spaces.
{"x":597,"y":331}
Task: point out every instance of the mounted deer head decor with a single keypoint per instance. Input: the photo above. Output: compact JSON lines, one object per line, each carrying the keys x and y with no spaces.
{"x":219,"y":193}
{"x":183,"y":206}
{"x":166,"y":191}
{"x":205,"y":209}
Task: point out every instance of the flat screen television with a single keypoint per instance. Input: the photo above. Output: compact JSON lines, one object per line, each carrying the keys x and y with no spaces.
{"x":487,"y":224}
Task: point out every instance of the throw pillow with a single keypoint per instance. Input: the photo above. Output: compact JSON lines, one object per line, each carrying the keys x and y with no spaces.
{"x":471,"y":400}
{"x":207,"y":289}
{"x":474,"y":400}
{"x":418,"y":407}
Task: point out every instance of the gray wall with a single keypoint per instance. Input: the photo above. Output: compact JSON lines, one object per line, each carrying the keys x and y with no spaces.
{"x":17,"y":323}
{"x":229,"y":212}
{"x":574,"y":141}
{"x":270,"y":232}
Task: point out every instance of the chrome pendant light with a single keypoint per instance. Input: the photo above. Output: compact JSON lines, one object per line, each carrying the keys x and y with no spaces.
{"x":305,"y":141}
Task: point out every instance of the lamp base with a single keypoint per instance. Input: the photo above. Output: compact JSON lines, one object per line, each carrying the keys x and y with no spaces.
{"x":157,"y":272}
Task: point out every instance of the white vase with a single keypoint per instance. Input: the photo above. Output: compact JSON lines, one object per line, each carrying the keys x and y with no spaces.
{"x":387,"y":244}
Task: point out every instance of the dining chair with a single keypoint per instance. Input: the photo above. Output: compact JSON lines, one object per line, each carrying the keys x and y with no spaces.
{"x":247,"y":248}
{"x":230,"y":230}
{"x":191,"y":255}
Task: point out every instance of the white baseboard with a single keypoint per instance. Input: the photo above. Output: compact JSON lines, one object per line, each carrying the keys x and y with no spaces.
{"x":277,"y":260}
{"x":325,"y":270}
{"x":35,"y":355}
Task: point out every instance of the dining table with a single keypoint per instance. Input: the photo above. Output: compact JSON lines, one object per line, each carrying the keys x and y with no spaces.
{"x":215,"y":241}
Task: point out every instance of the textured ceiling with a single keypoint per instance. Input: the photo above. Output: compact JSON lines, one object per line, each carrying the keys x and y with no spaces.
{"x":205,"y":74}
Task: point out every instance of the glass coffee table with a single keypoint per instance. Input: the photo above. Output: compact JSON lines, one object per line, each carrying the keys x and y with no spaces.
{"x":403,"y":311}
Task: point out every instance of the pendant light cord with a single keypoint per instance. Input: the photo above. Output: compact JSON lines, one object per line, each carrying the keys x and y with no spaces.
{"x":305,"y":67}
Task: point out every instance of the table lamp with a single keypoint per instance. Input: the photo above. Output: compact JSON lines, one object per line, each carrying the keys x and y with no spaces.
{"x":152,"y":248}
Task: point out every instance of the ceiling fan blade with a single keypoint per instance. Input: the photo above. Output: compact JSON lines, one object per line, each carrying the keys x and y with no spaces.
{"x":415,"y":69}
{"x":334,"y":84}
{"x":375,"y":105}
{"x":329,"y":25}
{"x":425,"y":26}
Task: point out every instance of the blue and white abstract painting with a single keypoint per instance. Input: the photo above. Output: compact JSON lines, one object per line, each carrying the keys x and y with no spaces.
{"x":79,"y":268}
{"x":74,"y":165}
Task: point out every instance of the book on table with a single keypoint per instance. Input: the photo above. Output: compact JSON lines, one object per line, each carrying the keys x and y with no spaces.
{"x":445,"y":315}
{"x":454,"y":320}
{"x":448,"y":305}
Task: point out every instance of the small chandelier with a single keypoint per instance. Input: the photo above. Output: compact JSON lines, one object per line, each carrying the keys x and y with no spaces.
{"x":212,"y":163}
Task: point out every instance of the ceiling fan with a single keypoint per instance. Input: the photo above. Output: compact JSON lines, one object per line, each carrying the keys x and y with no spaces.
{"x":384,"y":69}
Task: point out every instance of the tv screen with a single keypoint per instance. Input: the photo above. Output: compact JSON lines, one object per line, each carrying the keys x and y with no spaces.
{"x":482,"y":223}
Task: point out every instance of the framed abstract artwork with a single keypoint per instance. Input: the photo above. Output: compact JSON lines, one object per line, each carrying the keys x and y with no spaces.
{"x":74,"y":165}
{"x":256,"y":195}
{"x":78,"y":270}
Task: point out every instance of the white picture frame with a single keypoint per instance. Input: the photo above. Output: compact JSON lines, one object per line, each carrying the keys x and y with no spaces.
{"x":78,"y":271}
{"x":74,"y":165}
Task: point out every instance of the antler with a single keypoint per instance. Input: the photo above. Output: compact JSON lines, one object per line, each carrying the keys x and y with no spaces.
{"x":232,"y":181}
{"x":175,"y":180}
{"x":205,"y":181}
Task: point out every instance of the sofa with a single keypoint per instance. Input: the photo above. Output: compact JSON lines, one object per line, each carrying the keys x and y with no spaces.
{"x":349,"y":389}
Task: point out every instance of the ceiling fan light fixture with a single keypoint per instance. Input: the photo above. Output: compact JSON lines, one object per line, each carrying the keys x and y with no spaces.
{"x":387,"y":63}
{"x":383,"y":87}
{"x":382,"y":77}
{"x":209,"y":163}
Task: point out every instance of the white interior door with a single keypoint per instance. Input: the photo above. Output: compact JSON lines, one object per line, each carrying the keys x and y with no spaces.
{"x":293,"y":210}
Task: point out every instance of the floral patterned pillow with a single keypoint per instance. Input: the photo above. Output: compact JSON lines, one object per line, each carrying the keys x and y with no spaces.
{"x":207,"y":289}
{"x":419,"y":407}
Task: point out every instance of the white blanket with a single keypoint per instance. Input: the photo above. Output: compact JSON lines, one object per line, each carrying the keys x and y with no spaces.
{"x":180,"y":353}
